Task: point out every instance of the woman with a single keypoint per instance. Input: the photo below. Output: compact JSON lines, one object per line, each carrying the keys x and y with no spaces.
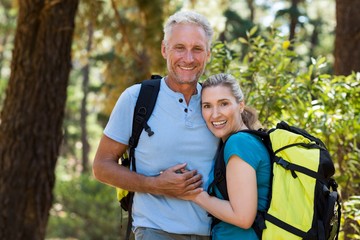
{"x":246,"y":158}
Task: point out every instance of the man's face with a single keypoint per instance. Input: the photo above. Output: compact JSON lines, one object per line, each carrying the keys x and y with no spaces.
{"x":186,"y":53}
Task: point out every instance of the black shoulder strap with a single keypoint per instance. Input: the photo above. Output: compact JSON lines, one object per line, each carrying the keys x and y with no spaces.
{"x":263,"y":134}
{"x":219,"y":178}
{"x":145,"y":104}
{"x":219,"y":174}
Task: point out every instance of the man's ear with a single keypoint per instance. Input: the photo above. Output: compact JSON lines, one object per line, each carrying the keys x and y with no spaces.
{"x":208,"y":56}
{"x":163,"y":49}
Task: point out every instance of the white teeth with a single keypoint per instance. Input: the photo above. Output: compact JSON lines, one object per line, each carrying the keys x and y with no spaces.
{"x":219,"y":123}
{"x":187,"y":68}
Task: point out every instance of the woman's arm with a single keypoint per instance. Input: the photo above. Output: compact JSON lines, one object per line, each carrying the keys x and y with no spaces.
{"x":241,"y":209}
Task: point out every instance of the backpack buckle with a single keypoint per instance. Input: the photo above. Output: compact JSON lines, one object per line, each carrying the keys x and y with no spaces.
{"x":148,"y":129}
{"x":283,"y":163}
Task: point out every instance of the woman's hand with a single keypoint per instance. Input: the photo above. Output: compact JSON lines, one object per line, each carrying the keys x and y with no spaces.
{"x":196,"y":196}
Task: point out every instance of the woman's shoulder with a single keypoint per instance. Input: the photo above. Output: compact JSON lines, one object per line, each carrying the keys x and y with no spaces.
{"x":248,"y":147}
{"x":245,"y":141}
{"x":239,"y":136}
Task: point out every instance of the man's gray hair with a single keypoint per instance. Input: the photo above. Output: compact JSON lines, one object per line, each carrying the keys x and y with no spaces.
{"x":188,"y":17}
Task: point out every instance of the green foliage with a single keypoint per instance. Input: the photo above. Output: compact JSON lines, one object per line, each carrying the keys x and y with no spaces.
{"x":84,"y":209}
{"x":281,"y":86}
{"x":352,"y":213}
{"x":267,"y":72}
{"x":235,"y":25}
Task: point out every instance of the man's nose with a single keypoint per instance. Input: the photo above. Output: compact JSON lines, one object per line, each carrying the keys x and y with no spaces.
{"x":189,"y":56}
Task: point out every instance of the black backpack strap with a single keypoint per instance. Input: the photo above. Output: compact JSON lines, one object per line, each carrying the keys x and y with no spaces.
{"x":129,"y":223}
{"x":220,"y":179}
{"x":144,"y":107}
{"x":263,"y":134}
{"x":219,"y":174}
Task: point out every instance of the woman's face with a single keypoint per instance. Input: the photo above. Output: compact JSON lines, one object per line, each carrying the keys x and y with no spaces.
{"x":221,"y":111}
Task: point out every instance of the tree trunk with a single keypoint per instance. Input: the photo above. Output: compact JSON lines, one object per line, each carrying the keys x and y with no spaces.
{"x":84,"y":112}
{"x":32,"y":116}
{"x":294,"y":18}
{"x":251,"y":5}
{"x":6,"y":33}
{"x":347,"y":40}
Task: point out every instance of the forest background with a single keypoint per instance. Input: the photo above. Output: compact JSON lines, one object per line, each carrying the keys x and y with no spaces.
{"x":63,"y":64}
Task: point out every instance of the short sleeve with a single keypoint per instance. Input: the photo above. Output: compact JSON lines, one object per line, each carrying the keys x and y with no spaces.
{"x":245,"y":146}
{"x":119,"y":125}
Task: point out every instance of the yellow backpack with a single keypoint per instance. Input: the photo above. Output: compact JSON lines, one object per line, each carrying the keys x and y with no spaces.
{"x":304,"y":202}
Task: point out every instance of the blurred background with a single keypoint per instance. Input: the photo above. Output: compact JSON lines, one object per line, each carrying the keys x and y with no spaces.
{"x":297,"y":60}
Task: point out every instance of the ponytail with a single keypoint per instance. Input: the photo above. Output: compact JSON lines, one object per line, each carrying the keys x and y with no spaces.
{"x":250,"y":118}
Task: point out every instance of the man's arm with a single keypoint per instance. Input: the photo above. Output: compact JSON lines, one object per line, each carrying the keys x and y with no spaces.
{"x":169,"y":183}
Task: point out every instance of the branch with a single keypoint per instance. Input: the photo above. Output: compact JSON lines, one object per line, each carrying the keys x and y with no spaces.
{"x":123,"y":31}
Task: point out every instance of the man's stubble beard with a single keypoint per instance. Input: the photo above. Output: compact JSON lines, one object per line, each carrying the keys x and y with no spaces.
{"x":196,"y":78}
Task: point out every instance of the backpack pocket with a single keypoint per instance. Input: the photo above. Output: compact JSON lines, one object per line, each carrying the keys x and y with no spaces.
{"x":332,"y":211}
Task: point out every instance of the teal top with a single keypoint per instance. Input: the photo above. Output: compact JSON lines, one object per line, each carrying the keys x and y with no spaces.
{"x":250,"y":149}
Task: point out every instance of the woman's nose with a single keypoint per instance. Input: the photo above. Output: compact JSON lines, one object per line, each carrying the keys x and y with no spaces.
{"x":215,"y":113}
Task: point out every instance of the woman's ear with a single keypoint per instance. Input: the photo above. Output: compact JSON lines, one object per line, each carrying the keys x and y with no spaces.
{"x":242,"y":106}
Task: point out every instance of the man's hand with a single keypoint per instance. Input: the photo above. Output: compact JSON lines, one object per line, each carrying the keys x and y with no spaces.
{"x":178,"y":182}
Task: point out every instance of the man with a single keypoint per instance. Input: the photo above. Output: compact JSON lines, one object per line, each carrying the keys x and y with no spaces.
{"x":181,"y":140}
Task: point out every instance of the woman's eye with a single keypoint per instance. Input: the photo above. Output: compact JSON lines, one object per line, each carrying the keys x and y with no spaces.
{"x":224,"y":104}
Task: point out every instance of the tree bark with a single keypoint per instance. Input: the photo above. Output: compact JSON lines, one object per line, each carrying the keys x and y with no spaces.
{"x":32,"y":116}
{"x":251,"y":5}
{"x":294,"y":19}
{"x":6,"y":34}
{"x":84,"y":112}
{"x":347,"y":39}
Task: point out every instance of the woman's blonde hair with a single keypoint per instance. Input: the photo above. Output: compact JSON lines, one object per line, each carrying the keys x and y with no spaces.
{"x":249,"y":115}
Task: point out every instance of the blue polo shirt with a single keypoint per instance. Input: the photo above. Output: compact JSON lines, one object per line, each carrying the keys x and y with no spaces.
{"x":180,"y":136}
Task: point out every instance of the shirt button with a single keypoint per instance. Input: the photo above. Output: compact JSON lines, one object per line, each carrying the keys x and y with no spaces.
{"x":181,"y":100}
{"x":186,"y":110}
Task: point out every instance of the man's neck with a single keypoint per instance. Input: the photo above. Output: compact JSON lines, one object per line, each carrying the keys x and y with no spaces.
{"x":187,"y":89}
